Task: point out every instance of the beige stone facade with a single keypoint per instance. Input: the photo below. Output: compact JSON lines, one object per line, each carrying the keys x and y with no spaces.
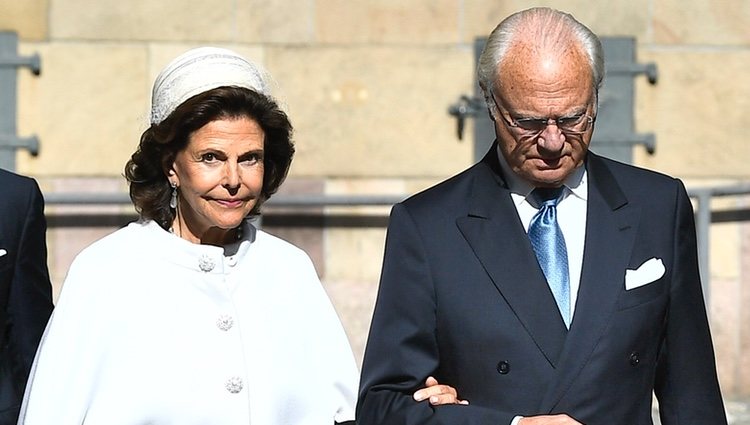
{"x":367,"y":85}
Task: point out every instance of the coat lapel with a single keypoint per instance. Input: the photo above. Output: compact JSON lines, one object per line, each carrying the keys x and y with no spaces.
{"x":611,"y":224}
{"x":495,"y":233}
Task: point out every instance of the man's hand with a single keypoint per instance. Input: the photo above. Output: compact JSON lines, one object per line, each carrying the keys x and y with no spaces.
{"x":438,"y":394}
{"x":549,"y":420}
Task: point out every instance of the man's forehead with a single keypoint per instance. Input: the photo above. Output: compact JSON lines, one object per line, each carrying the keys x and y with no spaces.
{"x":523,"y":65}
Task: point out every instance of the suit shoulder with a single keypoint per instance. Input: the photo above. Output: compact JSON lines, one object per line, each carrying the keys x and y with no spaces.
{"x":21,"y":202}
{"x":16,"y":183}
{"x":11,"y":178}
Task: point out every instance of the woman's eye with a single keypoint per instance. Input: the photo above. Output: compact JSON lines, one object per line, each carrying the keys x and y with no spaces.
{"x":253,"y":158}
{"x":208,"y":157}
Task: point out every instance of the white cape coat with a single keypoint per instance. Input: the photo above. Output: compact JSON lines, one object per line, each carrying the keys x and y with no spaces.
{"x":152,"y":329}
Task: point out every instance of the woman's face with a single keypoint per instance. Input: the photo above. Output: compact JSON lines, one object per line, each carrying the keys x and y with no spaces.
{"x":219,"y":176}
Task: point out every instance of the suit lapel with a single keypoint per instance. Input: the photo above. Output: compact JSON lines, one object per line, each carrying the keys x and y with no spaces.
{"x":495,"y":233}
{"x":611,"y":225}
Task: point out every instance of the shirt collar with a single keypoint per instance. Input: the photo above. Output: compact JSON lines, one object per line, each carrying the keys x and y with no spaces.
{"x":206,"y":258}
{"x":576,"y":182}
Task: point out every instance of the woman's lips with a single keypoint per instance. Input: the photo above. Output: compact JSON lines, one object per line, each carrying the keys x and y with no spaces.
{"x":230,"y":203}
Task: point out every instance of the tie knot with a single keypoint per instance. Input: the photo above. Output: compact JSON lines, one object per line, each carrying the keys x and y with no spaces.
{"x":548,"y":196}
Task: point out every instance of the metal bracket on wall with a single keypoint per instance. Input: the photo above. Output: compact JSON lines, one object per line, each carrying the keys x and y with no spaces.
{"x":466,"y":107}
{"x":635,"y":69}
{"x":648,"y":141}
{"x":9,"y":64}
{"x":614,"y":136}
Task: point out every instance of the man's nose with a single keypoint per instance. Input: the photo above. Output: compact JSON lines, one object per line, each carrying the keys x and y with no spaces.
{"x":552,"y":139}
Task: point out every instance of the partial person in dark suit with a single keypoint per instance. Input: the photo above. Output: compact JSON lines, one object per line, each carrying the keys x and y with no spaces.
{"x":547,"y":284}
{"x":25,"y":290}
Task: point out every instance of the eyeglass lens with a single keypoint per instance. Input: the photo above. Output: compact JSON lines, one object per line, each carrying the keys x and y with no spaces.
{"x":564,"y":123}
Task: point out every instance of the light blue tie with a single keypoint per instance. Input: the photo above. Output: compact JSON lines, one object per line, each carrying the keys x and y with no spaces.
{"x":549,"y":245}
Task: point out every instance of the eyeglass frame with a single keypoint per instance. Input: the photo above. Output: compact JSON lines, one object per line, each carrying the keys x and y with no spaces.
{"x":590,"y":120}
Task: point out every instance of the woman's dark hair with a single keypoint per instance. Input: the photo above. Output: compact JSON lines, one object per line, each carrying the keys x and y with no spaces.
{"x":150,"y":190}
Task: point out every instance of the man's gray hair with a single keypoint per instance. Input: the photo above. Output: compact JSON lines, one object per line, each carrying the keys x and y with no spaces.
{"x":546,"y":27}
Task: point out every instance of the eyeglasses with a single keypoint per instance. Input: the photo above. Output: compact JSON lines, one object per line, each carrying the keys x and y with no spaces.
{"x":574,"y":124}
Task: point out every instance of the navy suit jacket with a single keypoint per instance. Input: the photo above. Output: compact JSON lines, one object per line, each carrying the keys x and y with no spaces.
{"x":462,"y":298}
{"x":25,"y":290}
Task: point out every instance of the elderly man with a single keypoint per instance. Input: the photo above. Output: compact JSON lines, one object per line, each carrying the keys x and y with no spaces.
{"x":546,"y":284}
{"x":25,"y":290}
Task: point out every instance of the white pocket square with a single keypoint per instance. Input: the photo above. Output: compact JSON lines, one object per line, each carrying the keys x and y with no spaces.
{"x":3,"y":252}
{"x":648,"y":272}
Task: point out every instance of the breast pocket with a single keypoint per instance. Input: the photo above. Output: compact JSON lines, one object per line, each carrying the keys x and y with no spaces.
{"x":641,"y":295}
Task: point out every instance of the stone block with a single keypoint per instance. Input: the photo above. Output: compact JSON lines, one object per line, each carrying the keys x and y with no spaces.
{"x":374,"y":111}
{"x":290,"y":21}
{"x":698,"y":111}
{"x":417,"y":185}
{"x":742,"y":388}
{"x":27,"y":18}
{"x":725,"y":240}
{"x":354,"y":302}
{"x":355,"y":252}
{"x":724,"y":318}
{"x":724,"y":252}
{"x":301,"y":226}
{"x":701,"y":23}
{"x":387,"y":21}
{"x":144,"y":20}
{"x":604,"y":18}
{"x":86,"y":108}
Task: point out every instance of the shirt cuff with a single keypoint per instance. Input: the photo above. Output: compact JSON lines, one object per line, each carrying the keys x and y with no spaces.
{"x":516,"y":420}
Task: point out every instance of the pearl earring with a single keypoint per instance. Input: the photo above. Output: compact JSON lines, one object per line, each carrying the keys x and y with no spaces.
{"x":173,"y":199}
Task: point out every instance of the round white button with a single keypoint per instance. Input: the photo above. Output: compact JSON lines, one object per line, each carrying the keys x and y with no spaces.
{"x":234,"y":384}
{"x":206,"y":263}
{"x":225,"y":322}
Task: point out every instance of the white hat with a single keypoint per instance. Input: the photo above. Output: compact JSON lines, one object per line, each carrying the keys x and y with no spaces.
{"x":199,"y":70}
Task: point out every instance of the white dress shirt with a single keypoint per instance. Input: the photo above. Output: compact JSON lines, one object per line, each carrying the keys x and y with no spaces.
{"x":571,"y":216}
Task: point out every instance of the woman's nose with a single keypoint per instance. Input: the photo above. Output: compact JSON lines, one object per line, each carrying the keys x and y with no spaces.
{"x":231,"y":175}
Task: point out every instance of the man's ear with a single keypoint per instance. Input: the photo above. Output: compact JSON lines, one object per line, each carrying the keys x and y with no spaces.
{"x":487,"y":101}
{"x":489,"y":112}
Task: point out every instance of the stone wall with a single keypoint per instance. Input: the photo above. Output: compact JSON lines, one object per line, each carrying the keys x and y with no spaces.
{"x":367,"y":85}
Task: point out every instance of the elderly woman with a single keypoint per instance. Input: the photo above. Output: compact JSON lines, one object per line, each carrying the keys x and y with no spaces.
{"x":192,"y":315}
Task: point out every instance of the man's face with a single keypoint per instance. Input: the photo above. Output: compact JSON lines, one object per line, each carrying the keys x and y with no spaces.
{"x":544,"y":86}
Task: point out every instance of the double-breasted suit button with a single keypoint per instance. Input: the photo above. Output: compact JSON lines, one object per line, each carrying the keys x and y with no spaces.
{"x":635,"y":358}
{"x":503,"y":367}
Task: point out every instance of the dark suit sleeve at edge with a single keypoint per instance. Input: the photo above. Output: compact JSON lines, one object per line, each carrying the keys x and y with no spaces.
{"x":30,"y":298}
{"x":686,"y":382}
{"x":402,"y":349}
